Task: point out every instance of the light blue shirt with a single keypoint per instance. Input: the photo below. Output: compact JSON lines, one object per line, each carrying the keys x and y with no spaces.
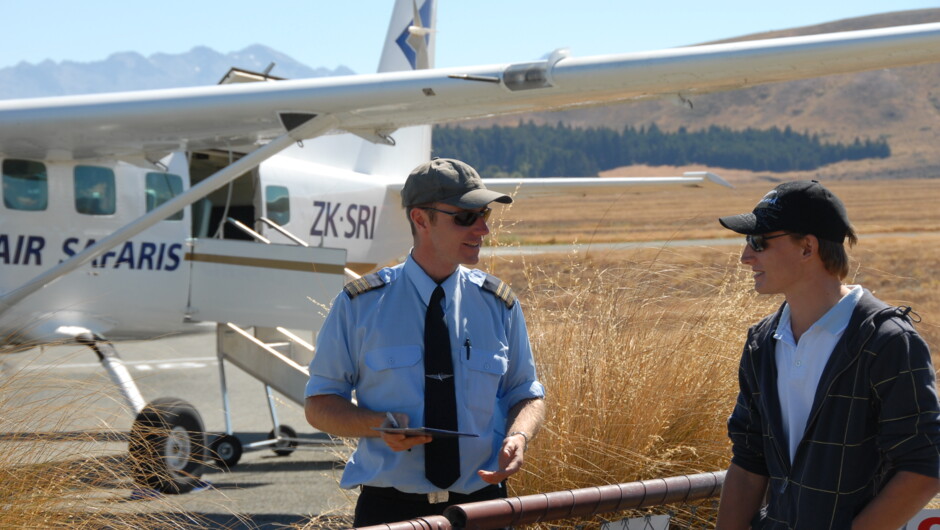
{"x":800,"y":365}
{"x":374,"y":344}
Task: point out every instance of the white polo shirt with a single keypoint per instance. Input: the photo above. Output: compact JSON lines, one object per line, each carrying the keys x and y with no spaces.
{"x":800,"y":366}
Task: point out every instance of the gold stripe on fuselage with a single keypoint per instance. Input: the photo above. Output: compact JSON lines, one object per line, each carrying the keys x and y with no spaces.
{"x":266,"y":263}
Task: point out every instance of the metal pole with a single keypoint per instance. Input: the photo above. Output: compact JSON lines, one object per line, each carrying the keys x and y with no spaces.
{"x":584,"y":502}
{"x":542,"y":507}
{"x":226,"y":406}
{"x":431,"y":522}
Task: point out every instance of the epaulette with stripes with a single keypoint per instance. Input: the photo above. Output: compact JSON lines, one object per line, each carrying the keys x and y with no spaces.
{"x":500,"y":289}
{"x":363,"y":285}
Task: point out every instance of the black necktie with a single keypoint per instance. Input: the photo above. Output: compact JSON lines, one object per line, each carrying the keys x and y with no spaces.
{"x":441,"y":455}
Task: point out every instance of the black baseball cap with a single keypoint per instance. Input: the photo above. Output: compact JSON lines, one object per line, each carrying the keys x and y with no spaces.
{"x":802,"y":206}
{"x":449,"y":181}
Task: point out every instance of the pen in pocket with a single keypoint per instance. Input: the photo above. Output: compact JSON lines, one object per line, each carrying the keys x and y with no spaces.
{"x":467,"y":345}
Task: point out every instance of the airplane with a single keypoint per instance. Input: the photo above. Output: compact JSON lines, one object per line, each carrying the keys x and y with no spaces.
{"x":139,"y":214}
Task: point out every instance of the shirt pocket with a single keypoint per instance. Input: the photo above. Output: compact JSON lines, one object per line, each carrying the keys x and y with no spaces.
{"x":484,"y":372}
{"x":394,"y":379}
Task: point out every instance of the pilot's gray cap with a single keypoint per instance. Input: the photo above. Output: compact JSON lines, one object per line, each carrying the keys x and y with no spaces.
{"x":449,"y":181}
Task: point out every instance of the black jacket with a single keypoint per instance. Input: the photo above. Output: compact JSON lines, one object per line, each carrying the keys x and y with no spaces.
{"x":875,"y":413}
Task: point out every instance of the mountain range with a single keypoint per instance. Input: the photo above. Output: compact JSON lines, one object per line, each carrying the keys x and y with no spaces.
{"x":900,"y":105}
{"x":132,"y":71}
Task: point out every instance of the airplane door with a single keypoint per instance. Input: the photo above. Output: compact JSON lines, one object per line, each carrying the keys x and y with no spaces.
{"x":253,"y":284}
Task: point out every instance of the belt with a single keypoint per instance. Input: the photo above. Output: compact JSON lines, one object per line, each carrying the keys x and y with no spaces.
{"x":493,"y":491}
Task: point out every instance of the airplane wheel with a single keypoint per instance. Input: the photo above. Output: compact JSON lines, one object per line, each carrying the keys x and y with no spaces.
{"x":226,"y":450}
{"x":284,"y":447}
{"x":168,"y":446}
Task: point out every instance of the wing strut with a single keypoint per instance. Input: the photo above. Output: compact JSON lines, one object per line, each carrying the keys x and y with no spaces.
{"x":298,"y":129}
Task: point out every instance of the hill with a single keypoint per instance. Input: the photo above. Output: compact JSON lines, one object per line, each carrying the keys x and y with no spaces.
{"x":900,"y":105}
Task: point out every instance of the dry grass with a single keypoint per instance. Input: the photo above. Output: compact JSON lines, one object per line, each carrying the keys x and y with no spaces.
{"x":902,"y":270}
{"x":639,"y":349}
{"x":55,"y":470}
{"x":639,"y":352}
{"x":875,"y":206}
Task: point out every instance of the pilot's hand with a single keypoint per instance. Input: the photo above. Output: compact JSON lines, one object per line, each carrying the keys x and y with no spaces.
{"x":400,"y":442}
{"x":510,"y":460}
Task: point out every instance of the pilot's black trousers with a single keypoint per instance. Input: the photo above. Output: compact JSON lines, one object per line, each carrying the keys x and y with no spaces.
{"x":388,"y":505}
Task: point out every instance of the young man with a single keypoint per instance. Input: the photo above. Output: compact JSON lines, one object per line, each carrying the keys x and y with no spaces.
{"x":429,"y":343}
{"x":836,"y":424}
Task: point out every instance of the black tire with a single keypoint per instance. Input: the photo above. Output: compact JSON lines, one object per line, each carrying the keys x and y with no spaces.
{"x":168,"y":446}
{"x":226,"y":450}
{"x":284,"y":447}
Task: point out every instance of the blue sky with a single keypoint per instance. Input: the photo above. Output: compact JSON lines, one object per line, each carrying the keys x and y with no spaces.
{"x":350,"y":32}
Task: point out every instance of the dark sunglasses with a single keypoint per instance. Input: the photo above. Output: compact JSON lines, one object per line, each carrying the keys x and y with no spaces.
{"x":759,"y":242}
{"x":464,"y":217}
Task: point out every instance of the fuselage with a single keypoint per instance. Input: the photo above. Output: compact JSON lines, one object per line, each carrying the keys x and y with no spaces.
{"x":141,"y":287}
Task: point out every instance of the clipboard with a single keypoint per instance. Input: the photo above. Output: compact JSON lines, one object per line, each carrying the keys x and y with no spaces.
{"x":425,"y":431}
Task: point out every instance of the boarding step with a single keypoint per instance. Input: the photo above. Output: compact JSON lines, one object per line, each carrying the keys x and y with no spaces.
{"x":279,"y":364}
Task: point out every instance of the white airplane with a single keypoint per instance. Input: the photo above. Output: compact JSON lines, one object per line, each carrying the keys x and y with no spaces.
{"x":114,"y":205}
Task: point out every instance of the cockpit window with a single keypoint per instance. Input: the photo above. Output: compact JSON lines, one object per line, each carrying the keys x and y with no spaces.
{"x":94,"y":190}
{"x":161,"y":187}
{"x":25,"y":185}
{"x":278,"y":204}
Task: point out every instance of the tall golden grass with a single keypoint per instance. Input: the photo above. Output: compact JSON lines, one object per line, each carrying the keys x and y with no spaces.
{"x":638,"y":351}
{"x":61,"y":464}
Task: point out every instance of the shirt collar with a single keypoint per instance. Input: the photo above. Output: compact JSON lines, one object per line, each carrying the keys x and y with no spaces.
{"x":425,"y":285}
{"x":833,"y":322}
{"x":836,"y":319}
{"x":784,"y":331}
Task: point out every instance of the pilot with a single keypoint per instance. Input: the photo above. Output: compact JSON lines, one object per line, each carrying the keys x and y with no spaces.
{"x":429,"y":343}
{"x":837,"y":423}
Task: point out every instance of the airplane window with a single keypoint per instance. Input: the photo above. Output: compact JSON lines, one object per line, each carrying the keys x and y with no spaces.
{"x":161,"y":187}
{"x":25,"y":186}
{"x":94,"y":190}
{"x":278,"y":204}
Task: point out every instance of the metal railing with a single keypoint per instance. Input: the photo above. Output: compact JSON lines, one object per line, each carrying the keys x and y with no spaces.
{"x":350,"y":274}
{"x":584,"y":502}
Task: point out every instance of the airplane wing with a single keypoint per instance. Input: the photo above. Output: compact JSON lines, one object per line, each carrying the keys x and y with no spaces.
{"x":240,"y":116}
{"x":575,"y":187}
{"x":611,"y":186}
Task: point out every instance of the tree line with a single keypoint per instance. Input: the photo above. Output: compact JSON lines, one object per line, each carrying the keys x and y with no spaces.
{"x":531,"y":150}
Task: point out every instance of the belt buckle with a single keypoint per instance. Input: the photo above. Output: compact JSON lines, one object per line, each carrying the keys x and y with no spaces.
{"x":437,"y":497}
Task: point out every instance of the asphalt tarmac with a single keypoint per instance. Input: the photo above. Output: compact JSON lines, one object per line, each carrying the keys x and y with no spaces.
{"x":263,"y":490}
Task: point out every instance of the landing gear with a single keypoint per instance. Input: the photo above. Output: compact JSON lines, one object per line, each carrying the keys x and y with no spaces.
{"x":167,"y":442}
{"x":226,"y":450}
{"x":286,"y":440}
{"x":168,"y":446}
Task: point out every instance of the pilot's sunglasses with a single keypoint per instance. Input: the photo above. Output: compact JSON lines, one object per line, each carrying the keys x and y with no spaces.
{"x":759,"y":243}
{"x":464,"y":217}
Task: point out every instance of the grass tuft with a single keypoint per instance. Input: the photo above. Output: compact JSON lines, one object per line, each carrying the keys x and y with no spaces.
{"x":62,"y":465}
